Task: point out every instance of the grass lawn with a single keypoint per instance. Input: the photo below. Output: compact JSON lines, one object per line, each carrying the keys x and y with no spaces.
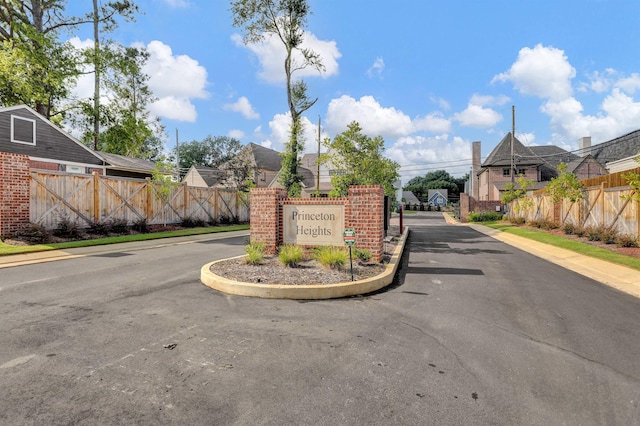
{"x":558,"y":241}
{"x":6,"y":249}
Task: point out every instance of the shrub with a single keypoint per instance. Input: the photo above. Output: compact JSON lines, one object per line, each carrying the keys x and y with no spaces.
{"x":290,"y":255}
{"x":543,"y":224}
{"x":67,"y":229}
{"x":331,"y":257}
{"x":141,"y":225}
{"x":34,"y":234}
{"x":593,"y":233}
{"x":609,"y":236}
{"x":627,"y":241}
{"x":255,"y":253}
{"x":363,"y":255}
{"x":487,"y":216}
{"x":99,"y":228}
{"x":118,"y":226}
{"x":569,"y":228}
{"x":517,"y":220}
{"x":192,"y":222}
{"x":223,"y":219}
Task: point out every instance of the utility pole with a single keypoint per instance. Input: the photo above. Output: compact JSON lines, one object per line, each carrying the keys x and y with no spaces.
{"x":513,"y":132}
{"x":318,"y":163}
{"x":96,"y":87}
{"x":177,"y":156}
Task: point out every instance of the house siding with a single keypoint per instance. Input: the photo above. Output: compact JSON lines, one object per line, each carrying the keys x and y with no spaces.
{"x":51,"y":143}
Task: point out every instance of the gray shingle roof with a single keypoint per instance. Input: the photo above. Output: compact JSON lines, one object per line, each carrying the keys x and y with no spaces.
{"x":265,"y":158}
{"x":122,"y":162}
{"x":501,"y":154}
{"x":210,"y":175}
{"x":616,"y":149}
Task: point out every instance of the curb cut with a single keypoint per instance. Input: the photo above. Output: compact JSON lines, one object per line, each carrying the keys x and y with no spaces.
{"x":309,"y":291}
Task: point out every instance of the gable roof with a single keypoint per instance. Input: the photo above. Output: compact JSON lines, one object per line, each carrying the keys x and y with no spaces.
{"x":265,"y":158}
{"x":501,"y":154}
{"x":51,"y":142}
{"x":210,"y":175}
{"x":616,"y":149}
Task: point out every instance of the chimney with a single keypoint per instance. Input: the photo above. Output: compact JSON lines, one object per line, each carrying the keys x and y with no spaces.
{"x":584,"y":146}
{"x":476,"y":163}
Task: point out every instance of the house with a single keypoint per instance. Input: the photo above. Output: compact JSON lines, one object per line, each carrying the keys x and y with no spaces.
{"x":202,"y":176}
{"x":616,"y":155}
{"x":505,"y":164}
{"x":438,"y":197}
{"x":24,"y":131}
{"x":319,"y":184}
{"x":408,"y":197}
{"x":254,"y":162}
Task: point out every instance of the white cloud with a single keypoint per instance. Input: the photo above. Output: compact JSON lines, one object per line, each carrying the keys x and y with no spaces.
{"x":477,"y":116}
{"x":373,"y":118}
{"x":434,"y":123}
{"x":236,"y":134}
{"x":174,"y":108}
{"x":280,"y":130}
{"x":599,"y":82}
{"x":271,"y":55}
{"x":629,"y":84}
{"x":376,"y":69}
{"x":441,"y":102}
{"x":418,"y":155}
{"x":177,"y":4}
{"x":542,"y":71}
{"x":244,"y":107}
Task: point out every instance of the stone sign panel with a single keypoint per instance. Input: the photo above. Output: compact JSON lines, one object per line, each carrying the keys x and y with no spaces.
{"x":311,"y":224}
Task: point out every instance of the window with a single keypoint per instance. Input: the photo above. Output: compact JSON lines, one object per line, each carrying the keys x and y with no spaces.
{"x":506,"y":172}
{"x":23,"y":130}
{"x":522,"y":172}
{"x":337,"y":172}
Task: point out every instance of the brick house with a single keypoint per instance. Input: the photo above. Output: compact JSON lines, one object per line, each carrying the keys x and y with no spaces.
{"x":536,"y":163}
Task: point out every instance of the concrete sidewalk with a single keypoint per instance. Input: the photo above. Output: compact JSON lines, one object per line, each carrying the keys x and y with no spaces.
{"x":617,"y":276}
{"x":55,"y":255}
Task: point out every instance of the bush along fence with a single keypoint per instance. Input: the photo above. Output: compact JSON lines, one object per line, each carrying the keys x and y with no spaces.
{"x":47,"y":198}
{"x":612,"y":209}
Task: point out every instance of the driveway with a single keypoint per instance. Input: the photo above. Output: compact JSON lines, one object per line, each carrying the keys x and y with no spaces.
{"x":473,"y":331}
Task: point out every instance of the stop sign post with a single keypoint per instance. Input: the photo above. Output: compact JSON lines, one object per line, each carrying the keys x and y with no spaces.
{"x":349,"y":237}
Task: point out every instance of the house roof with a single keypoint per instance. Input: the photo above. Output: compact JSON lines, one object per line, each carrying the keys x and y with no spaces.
{"x":265,"y":158}
{"x":410,"y":197}
{"x":121,"y":162}
{"x":501,"y":154}
{"x":616,"y":149}
{"x":210,"y":175}
{"x":554,"y":155}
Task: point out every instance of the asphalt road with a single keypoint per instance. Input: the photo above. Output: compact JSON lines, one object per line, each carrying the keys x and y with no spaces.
{"x":473,"y":331}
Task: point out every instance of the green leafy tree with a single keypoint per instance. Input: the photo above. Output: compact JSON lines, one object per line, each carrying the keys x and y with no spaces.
{"x":359,"y":159}
{"x":286,"y":20}
{"x":164,"y":183}
{"x":31,"y":31}
{"x":565,"y":186}
{"x":437,"y":179}
{"x":511,"y":193}
{"x":633,"y":180}
{"x":212,"y":151}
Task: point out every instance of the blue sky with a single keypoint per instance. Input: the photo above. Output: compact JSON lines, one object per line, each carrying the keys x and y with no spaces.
{"x":428,"y":76}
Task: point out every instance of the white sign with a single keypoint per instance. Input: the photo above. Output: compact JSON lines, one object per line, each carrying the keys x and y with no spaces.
{"x":313,"y":224}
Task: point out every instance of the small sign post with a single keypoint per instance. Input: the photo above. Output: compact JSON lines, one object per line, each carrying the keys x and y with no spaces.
{"x":349,"y":236}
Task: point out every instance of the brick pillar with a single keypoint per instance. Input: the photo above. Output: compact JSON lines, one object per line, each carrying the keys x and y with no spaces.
{"x":15,"y":182}
{"x":366,"y":216}
{"x":265,"y":217}
{"x":465,"y":204}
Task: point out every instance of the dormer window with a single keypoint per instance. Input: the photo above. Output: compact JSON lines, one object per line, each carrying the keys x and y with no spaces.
{"x":23,"y":130}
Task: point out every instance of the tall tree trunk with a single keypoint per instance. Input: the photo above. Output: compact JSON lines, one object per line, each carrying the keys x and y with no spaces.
{"x":96,"y":84}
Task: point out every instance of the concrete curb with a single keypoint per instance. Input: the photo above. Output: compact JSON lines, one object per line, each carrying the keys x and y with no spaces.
{"x":306,"y":292}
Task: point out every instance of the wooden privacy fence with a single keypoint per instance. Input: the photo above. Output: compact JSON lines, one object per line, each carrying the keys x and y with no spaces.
{"x":90,"y":199}
{"x":600,"y":206}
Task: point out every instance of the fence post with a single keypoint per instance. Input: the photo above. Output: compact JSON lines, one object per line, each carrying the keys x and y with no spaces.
{"x":603,"y":203}
{"x":185,"y":188}
{"x":148,"y":205}
{"x":216,"y":210}
{"x":96,"y":197}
